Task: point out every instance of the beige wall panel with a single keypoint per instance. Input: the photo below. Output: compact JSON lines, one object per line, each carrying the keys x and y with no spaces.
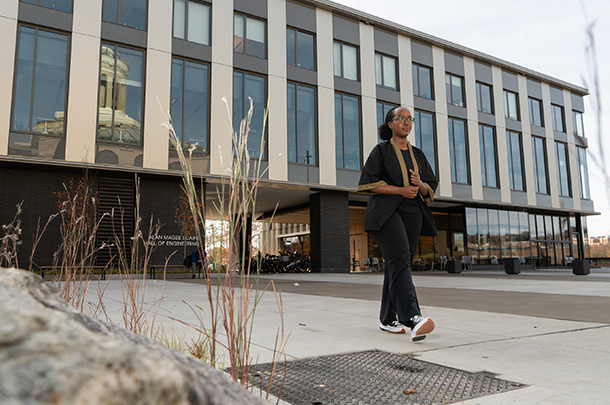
{"x":526,"y":137}
{"x":277,"y":121}
{"x":550,"y":145}
{"x":8,"y":9}
{"x":156,"y":117}
{"x":324,"y":47}
{"x":221,"y":147}
{"x":369,"y":89}
{"x":501,"y":132}
{"x":81,"y":117}
{"x":326,"y":136}
{"x":160,"y":16}
{"x":87,"y":17}
{"x":221,"y":144}
{"x":442,"y":127}
{"x":474,"y":148}
{"x":405,"y":72}
{"x":326,"y":99}
{"x":8,"y":32}
{"x":222,"y":32}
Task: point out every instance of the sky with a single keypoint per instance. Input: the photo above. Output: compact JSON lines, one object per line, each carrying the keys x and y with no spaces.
{"x":548,"y":36}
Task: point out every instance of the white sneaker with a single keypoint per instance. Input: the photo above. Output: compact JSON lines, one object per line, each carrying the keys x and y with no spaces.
{"x":393,"y":327}
{"x":422,"y":327}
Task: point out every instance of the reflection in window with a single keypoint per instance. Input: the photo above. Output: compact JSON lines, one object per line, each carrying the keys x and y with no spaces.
{"x":249,"y":36}
{"x":40,"y":82}
{"x":422,"y":81}
{"x":382,"y":111}
{"x":130,"y":13}
{"x":457,"y":147}
{"x":455,"y":90}
{"x":300,"y":50}
{"x":487,"y":145}
{"x":121,"y":98}
{"x":579,"y":129}
{"x":484,"y":98}
{"x":515,"y":167}
{"x":511,"y":108}
{"x":535,"y":112}
{"x":540,"y":178}
{"x":583,"y":172}
{"x":424,"y":136}
{"x":345,"y":61}
{"x":301,"y":124}
{"x":562,"y":169}
{"x":385,"y":71}
{"x":192,"y":21}
{"x":59,"y":5}
{"x":246,"y":87}
{"x":189,"y":107}
{"x":347,"y":131}
{"x":483,"y":230}
{"x":557,"y":118}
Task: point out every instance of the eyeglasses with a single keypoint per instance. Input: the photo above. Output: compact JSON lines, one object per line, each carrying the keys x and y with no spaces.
{"x":402,"y":119}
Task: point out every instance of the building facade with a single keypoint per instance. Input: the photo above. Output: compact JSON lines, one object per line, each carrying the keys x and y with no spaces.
{"x":91,"y":85}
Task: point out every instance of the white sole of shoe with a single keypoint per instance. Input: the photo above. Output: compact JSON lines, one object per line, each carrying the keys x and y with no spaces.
{"x":422,"y":329}
{"x":392,"y":329}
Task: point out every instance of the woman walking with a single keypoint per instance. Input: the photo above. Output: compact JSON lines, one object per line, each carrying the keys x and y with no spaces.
{"x":401,"y":184}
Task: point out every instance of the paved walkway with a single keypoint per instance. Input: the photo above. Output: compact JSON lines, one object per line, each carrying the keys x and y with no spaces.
{"x":547,"y":329}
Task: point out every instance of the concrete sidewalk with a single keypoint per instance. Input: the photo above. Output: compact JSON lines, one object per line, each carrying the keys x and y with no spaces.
{"x":549,"y":330}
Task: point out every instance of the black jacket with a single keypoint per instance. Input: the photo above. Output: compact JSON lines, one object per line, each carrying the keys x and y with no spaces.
{"x":385,"y":166}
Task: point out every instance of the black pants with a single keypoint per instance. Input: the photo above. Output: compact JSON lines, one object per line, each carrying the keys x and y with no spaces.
{"x":397,"y":239}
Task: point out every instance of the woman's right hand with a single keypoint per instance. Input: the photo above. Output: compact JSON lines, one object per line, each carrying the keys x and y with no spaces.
{"x":409,"y":191}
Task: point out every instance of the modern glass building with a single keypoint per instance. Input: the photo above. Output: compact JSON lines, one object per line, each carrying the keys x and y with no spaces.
{"x":92,"y":85}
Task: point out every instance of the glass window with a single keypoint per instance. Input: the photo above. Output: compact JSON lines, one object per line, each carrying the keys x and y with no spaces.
{"x":301,"y":124}
{"x":472,"y":232}
{"x":487,"y":145}
{"x":484,"y":103}
{"x":300,"y":49}
{"x":525,"y":237}
{"x":130,"y":13}
{"x":483,"y":229}
{"x":245,"y":87}
{"x":346,"y":61}
{"x":59,"y":5}
{"x":515,"y":240}
{"x":190,"y":106}
{"x":579,"y":128}
{"x":540,"y":178}
{"x":385,"y":71}
{"x":40,"y":81}
{"x":455,"y":92}
{"x":459,"y":155}
{"x":192,"y":21}
{"x":515,"y":165}
{"x":504,"y":234}
{"x":347,"y":131}
{"x":562,"y":169}
{"x":535,"y":112}
{"x":422,"y":81}
{"x":583,"y":172}
{"x":249,"y":36}
{"x":557,"y":118}
{"x":382,"y":111}
{"x":121,"y":95}
{"x":511,"y":107}
{"x":424,"y":136}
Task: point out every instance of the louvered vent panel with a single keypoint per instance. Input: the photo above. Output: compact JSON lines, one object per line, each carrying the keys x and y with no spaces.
{"x":116,"y":199}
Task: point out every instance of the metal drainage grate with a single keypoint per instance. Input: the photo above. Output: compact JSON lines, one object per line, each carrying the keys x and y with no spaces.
{"x":375,"y":377}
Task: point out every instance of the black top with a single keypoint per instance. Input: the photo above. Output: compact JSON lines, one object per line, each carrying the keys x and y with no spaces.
{"x":388,"y":165}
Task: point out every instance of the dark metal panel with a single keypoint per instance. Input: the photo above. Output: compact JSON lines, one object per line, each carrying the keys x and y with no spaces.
{"x":346,"y":30}
{"x":191,"y":50}
{"x":518,"y":197}
{"x":302,"y":75}
{"x":348,"y":86}
{"x":390,"y":96}
{"x":421,"y":54}
{"x":250,"y":63}
{"x":45,"y":17}
{"x":124,"y":35}
{"x":386,"y":42}
{"x":483,"y":73}
{"x":454,"y":64}
{"x":256,"y":8}
{"x":300,"y":16}
{"x":510,"y":81}
{"x":462,"y":191}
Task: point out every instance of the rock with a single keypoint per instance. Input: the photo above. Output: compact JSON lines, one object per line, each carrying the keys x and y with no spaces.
{"x":52,"y":354}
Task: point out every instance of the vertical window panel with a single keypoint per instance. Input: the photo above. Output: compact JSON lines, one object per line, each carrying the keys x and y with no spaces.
{"x":557,"y":118}
{"x":246,"y":87}
{"x":301,"y":124}
{"x":484,"y":100}
{"x":179,"y":19}
{"x":424,"y":136}
{"x":535,"y":112}
{"x":458,"y":151}
{"x":306,"y":51}
{"x":350,"y":62}
{"x":515,"y":168}
{"x":562,"y":169}
{"x":487,"y":147}
{"x":540,"y":177}
{"x":130,"y":13}
{"x":579,"y":129}
{"x":291,"y":46}
{"x":347,"y":124}
{"x":583,"y":173}
{"x":455,"y":92}
{"x":511,"y":107}
{"x":378,"y":70}
{"x":199,"y":23}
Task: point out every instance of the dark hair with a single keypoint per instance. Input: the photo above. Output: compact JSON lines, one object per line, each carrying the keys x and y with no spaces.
{"x":385,"y":133}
